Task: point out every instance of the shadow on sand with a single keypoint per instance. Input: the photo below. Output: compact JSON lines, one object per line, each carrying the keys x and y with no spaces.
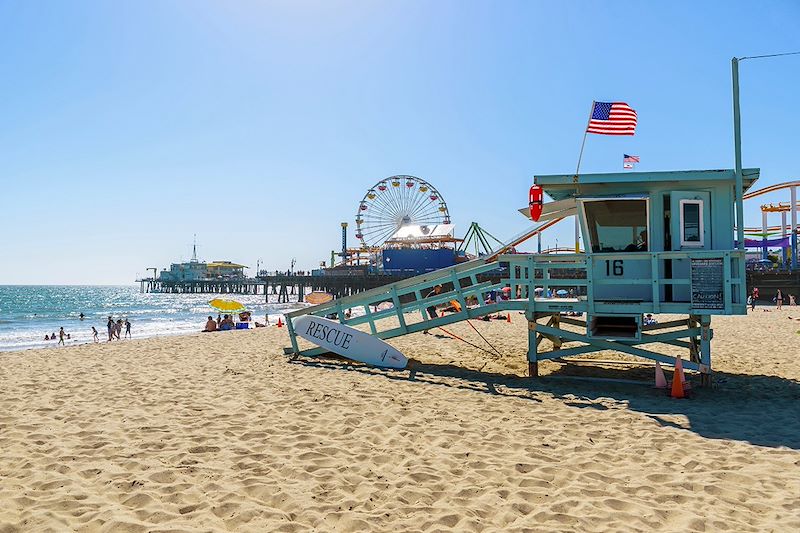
{"x":761,"y":410}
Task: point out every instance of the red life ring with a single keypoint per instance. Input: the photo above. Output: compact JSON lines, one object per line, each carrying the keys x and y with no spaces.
{"x":536,"y":202}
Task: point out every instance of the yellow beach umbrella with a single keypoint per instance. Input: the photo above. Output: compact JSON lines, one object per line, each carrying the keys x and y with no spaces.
{"x":226,"y":306}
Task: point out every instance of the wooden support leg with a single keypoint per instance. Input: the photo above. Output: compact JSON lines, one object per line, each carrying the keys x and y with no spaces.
{"x":557,"y":324}
{"x":533,"y":361}
{"x":705,"y":350}
{"x":694,"y":343}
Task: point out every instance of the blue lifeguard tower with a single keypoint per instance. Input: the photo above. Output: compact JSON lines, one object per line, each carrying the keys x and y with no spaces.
{"x":656,"y":243}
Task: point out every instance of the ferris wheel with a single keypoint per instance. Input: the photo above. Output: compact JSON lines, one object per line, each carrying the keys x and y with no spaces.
{"x":396,"y":202}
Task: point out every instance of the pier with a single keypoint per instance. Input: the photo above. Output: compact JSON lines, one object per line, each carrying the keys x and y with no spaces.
{"x":287,"y":286}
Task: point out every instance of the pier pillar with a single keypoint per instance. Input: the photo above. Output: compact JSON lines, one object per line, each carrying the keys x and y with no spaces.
{"x":793,"y":219}
{"x":784,"y":249}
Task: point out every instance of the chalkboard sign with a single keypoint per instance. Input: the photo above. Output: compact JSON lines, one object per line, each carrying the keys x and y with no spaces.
{"x":708,"y":290}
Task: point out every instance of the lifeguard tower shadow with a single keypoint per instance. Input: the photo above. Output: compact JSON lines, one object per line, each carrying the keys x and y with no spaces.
{"x":739,"y":407}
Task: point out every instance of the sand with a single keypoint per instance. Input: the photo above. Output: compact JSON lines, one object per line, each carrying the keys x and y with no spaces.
{"x":220,"y":432}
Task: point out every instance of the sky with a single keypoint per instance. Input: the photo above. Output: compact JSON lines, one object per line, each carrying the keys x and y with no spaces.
{"x":128,"y":127}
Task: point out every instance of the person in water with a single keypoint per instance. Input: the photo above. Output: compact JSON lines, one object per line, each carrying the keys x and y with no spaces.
{"x":128,"y":329}
{"x":94,"y":334}
{"x":46,"y":337}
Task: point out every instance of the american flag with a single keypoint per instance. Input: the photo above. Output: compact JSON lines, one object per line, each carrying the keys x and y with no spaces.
{"x":630,"y":158}
{"x":612,"y":118}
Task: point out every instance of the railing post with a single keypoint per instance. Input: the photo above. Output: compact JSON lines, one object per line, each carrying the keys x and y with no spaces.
{"x":589,"y":286}
{"x":396,"y":303}
{"x":726,"y":287}
{"x":655,"y":276}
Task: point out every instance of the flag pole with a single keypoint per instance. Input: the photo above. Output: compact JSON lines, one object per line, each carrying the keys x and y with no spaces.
{"x":577,"y":170}
{"x":585,"y":132}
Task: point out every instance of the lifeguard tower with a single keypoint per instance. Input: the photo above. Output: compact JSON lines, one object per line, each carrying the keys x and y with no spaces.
{"x":656,"y":242}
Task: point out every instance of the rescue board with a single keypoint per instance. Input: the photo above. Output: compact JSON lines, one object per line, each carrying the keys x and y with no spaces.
{"x":348,"y":342}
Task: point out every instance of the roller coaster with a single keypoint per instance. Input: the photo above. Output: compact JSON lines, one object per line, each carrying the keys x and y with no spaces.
{"x":781,"y":207}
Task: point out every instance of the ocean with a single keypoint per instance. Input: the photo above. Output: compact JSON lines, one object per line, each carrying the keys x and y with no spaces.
{"x":29,"y":312}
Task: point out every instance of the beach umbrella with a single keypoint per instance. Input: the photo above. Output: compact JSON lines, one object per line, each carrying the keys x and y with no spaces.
{"x":561,"y":292}
{"x":318,"y":297}
{"x":538,"y":290}
{"x":226,"y":306}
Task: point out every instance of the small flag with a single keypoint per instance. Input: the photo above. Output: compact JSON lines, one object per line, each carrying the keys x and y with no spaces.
{"x":612,"y":118}
{"x":630,"y":158}
{"x":627,"y":166}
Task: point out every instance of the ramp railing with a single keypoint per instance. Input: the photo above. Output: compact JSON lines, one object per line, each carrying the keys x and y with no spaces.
{"x":402,"y":307}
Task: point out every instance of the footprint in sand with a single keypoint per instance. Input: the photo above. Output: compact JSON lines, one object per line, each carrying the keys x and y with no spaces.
{"x":204,"y":449}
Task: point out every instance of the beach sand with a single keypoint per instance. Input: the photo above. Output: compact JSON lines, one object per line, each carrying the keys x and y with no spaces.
{"x":220,"y":432}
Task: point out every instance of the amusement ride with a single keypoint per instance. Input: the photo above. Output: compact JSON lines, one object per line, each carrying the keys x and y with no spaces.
{"x":396,"y":202}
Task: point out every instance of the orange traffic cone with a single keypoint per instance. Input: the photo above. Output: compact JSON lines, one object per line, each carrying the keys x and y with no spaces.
{"x":280,"y":324}
{"x":677,"y":380}
{"x":508,"y":317}
{"x":661,"y":380}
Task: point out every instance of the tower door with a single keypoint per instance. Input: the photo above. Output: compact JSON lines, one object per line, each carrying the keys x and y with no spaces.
{"x":690,"y":228}
{"x":691,"y":220}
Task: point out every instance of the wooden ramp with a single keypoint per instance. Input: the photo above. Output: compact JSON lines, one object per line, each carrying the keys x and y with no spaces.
{"x":400,"y":308}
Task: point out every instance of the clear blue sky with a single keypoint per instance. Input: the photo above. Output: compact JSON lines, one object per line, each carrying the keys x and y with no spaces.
{"x":126,"y":127}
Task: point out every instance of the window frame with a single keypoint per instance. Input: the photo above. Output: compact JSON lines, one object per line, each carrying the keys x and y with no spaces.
{"x":585,"y":224}
{"x":701,"y":225}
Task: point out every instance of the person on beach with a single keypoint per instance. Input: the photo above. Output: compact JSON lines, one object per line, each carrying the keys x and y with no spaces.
{"x":110,"y":327}
{"x":778,"y":300}
{"x":792,"y":300}
{"x":211,"y":325}
{"x":219,"y":320}
{"x":118,"y":329}
{"x":432,"y":309}
{"x":128,"y":329}
{"x":226,"y":324}
{"x":61,"y":336}
{"x":94,"y":334}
